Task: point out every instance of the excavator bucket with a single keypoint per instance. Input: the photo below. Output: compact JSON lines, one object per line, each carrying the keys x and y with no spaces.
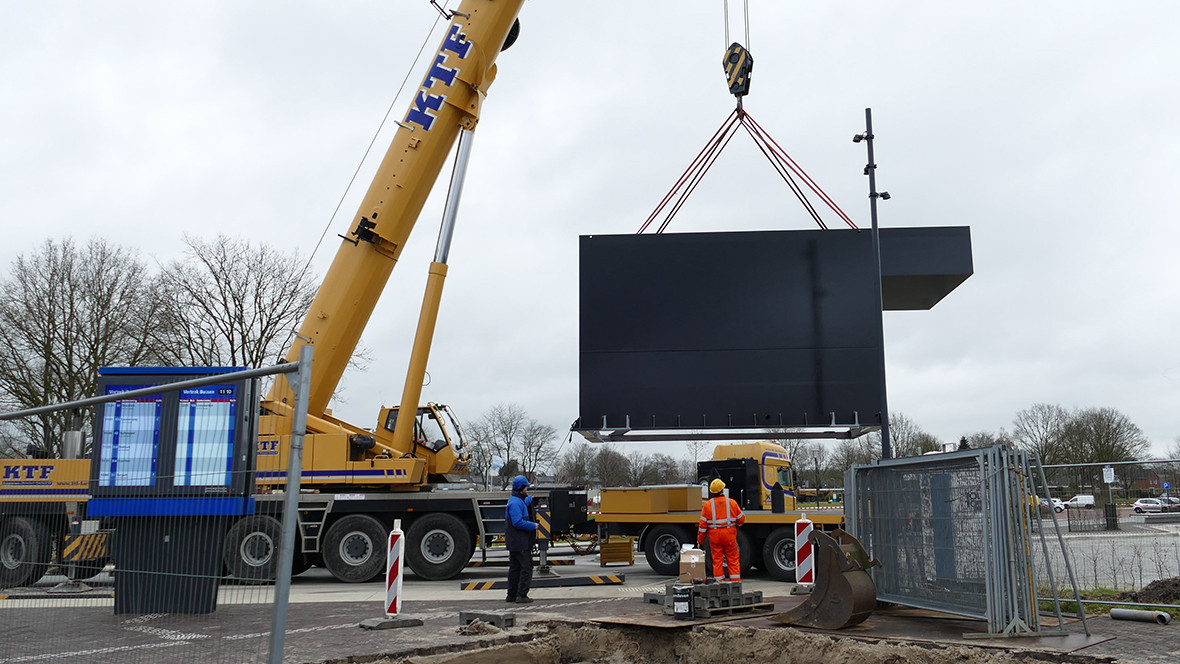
{"x":844,"y":593}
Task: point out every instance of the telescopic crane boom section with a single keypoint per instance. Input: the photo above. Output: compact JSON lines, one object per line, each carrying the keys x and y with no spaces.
{"x":447,"y":102}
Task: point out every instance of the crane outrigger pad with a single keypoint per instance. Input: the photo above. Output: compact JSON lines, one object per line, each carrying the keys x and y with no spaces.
{"x":844,"y":593}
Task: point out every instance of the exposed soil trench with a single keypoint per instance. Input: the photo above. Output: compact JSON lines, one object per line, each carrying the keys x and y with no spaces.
{"x":714,"y":644}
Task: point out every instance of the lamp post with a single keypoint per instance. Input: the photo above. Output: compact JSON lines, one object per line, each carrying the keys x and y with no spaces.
{"x":870,"y":170}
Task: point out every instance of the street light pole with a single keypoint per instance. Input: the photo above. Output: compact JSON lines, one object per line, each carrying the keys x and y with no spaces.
{"x":871,"y":171}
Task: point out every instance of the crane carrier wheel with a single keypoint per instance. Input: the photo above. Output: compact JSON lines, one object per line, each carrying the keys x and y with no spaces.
{"x":354,"y":548}
{"x":24,"y":551}
{"x":438,"y":546}
{"x":661,"y":548}
{"x":778,"y":553}
{"x":251,"y":550}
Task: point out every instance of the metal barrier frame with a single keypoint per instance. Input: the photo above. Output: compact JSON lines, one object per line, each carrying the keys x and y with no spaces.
{"x":301,"y":384}
{"x":966,"y":517}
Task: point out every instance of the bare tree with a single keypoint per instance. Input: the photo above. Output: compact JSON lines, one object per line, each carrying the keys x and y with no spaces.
{"x":576,"y":465}
{"x":1038,"y":429}
{"x":68,"y":311}
{"x":499,"y":429}
{"x":1174,"y":450}
{"x":981,"y":439}
{"x":793,"y":446}
{"x":697,"y":448}
{"x":1103,"y":434}
{"x":510,"y":433}
{"x":641,"y":471}
{"x":855,"y":451}
{"x":537,"y":452}
{"x":906,"y":438}
{"x":611,"y":467}
{"x":667,"y":470}
{"x":480,"y":455}
{"x":232,"y":303}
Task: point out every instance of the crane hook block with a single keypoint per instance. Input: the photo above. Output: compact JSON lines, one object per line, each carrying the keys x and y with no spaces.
{"x":738,"y":64}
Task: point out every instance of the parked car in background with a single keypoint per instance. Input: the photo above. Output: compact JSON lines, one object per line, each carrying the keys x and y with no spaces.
{"x":1081,"y":500}
{"x":1058,"y":506}
{"x":1144,"y":505}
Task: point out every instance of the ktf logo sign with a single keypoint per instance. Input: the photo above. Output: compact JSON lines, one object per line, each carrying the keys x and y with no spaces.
{"x":268,"y":447}
{"x":27,"y":472}
{"x":426,"y":103}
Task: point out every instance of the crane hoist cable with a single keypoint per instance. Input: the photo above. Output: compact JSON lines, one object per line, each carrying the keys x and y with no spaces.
{"x":787,"y":168}
{"x":738,"y":64}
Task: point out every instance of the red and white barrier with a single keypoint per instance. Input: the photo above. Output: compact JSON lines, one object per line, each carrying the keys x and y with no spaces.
{"x":804,"y":554}
{"x":393,"y":570}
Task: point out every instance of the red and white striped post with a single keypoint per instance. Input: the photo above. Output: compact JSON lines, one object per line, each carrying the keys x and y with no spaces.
{"x":393,"y":570}
{"x":804,"y":554}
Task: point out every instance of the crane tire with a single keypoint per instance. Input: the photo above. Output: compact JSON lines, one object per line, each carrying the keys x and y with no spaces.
{"x":251,"y":549}
{"x":778,"y":554}
{"x":661,"y":548}
{"x":438,"y":546}
{"x":24,"y":551}
{"x":354,"y":548}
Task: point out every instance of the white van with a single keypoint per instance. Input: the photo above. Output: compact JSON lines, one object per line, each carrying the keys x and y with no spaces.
{"x":1081,"y":500}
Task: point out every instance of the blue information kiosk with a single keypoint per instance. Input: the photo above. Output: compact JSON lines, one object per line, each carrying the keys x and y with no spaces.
{"x":171,"y":471}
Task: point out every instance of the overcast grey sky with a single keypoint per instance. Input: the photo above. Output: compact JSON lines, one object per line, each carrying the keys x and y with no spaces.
{"x":1047,"y":127}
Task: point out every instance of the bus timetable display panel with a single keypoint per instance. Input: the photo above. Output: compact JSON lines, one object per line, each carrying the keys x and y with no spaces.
{"x":205,"y":436}
{"x":130,"y":442}
{"x":192,"y":442}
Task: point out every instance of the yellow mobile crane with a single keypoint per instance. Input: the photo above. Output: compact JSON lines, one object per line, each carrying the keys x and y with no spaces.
{"x":355,"y":481}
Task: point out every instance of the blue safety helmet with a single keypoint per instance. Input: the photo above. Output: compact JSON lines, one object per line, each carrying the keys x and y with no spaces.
{"x":519,"y":482}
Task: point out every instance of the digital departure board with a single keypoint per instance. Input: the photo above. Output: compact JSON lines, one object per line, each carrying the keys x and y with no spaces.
{"x":129,"y":447}
{"x":205,"y":436}
{"x":196,"y":441}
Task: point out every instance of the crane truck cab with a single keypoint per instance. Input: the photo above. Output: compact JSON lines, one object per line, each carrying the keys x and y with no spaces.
{"x":750,"y":471}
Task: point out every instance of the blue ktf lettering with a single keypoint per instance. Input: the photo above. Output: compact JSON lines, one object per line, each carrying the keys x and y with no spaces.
{"x":268,"y":445}
{"x":425,"y":103}
{"x":30,"y":472}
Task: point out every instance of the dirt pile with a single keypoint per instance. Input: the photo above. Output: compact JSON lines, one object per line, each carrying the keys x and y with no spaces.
{"x":1163,"y":591}
{"x":567,"y":644}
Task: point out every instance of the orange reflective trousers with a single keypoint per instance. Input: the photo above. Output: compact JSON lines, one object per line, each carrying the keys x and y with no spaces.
{"x":723,"y":545}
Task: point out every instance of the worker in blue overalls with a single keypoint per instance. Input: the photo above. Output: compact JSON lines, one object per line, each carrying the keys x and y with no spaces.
{"x":519,"y":534}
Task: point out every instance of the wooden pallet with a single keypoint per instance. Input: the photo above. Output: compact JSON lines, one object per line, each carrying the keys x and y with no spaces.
{"x":731,"y":610}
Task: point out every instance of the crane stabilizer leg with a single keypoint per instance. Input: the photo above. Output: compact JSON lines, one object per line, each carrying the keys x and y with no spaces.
{"x":844,"y":593}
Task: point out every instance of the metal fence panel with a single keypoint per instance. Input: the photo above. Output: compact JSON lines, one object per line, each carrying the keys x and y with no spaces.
{"x":951,"y":532}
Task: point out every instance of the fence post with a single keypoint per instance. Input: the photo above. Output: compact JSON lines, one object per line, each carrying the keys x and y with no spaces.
{"x":290,"y":507}
{"x":1111,"y":512}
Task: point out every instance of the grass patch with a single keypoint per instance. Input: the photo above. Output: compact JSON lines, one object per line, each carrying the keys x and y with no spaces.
{"x":1103,"y":595}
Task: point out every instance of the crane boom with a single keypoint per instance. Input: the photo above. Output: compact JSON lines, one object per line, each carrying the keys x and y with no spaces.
{"x":399,"y":453}
{"x":447,"y":101}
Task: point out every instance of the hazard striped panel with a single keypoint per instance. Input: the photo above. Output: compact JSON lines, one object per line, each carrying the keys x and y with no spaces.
{"x":543,"y":522}
{"x":551,"y":582}
{"x":84,"y":547}
{"x":504,"y":563}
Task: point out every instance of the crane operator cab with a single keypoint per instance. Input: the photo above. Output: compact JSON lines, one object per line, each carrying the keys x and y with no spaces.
{"x":435,"y":430}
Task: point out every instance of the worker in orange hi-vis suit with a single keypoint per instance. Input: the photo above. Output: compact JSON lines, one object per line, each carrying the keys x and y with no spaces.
{"x":720,"y":518}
